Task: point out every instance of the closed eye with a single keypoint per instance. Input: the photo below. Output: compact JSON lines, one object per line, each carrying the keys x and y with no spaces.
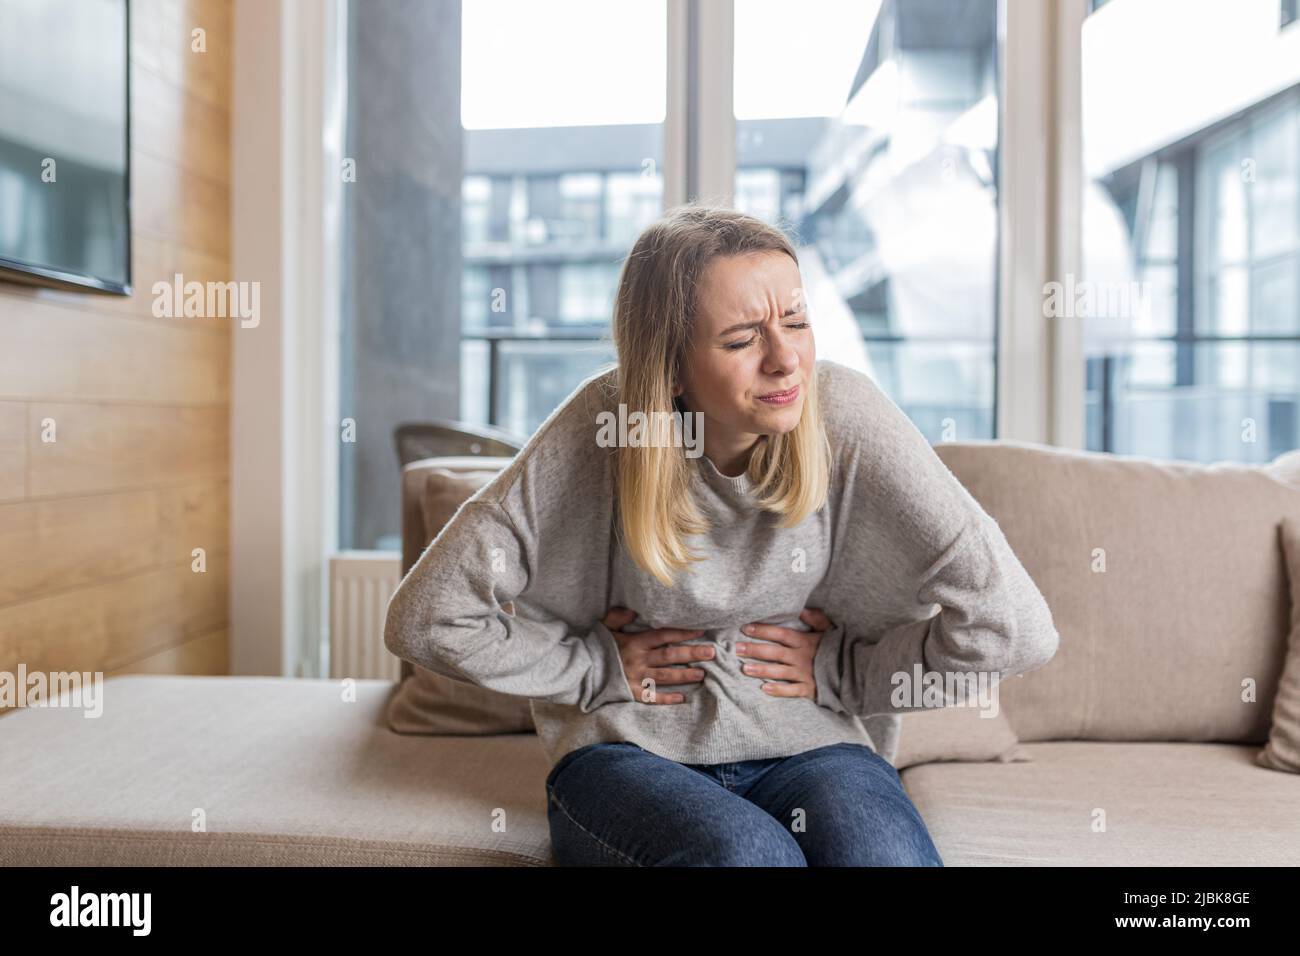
{"x":737,"y":346}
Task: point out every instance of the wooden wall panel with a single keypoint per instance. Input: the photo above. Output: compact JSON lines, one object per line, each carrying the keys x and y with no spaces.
{"x":176,"y":126}
{"x":153,"y":260}
{"x":162,"y":35}
{"x":209,"y":655}
{"x":109,"y":625}
{"x":160,"y":187}
{"x":161,"y":362}
{"x":109,"y":447}
{"x":97,"y":529}
{"x":13,"y":440}
{"x":54,"y":545}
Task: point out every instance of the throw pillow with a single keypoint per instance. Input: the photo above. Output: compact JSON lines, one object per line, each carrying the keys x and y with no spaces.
{"x":1282,"y":752}
{"x":958,"y":734}
{"x":427,"y":702}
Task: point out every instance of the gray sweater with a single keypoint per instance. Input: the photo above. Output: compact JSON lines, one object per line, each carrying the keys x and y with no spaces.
{"x":899,"y":539}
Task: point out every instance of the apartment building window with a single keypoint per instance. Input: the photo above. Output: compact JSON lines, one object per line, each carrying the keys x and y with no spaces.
{"x":633,"y":200}
{"x":582,"y":206}
{"x":476,"y":209}
{"x":587,"y":293}
{"x":475,"y":298}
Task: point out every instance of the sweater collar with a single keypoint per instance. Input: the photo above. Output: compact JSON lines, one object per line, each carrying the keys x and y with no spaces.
{"x":739,"y":485}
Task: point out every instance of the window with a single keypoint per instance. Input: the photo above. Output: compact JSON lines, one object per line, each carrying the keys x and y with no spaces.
{"x":498,"y":189}
{"x":1194,"y":162}
{"x":476,"y":209}
{"x":582,"y":161}
{"x":878,"y":155}
{"x":587,"y":293}
{"x":632,"y":202}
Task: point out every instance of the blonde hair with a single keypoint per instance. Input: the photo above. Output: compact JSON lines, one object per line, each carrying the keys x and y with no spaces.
{"x":657,"y":299}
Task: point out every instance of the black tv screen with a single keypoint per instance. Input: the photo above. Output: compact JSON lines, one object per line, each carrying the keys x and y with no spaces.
{"x":65,"y":144}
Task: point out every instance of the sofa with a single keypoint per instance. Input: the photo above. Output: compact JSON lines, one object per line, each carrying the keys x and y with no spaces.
{"x":1138,"y":743}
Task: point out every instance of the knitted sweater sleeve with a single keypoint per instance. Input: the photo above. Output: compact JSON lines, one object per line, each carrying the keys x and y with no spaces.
{"x":935,"y":542}
{"x":447,"y":615}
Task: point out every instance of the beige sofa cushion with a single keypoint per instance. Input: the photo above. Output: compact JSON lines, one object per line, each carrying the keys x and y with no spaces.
{"x":1192,"y":601}
{"x":1161,"y":804}
{"x":1282,"y":752}
{"x":429,"y":703}
{"x":287,"y":772}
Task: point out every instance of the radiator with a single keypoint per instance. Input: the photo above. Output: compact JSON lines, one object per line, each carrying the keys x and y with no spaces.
{"x":361,"y":582}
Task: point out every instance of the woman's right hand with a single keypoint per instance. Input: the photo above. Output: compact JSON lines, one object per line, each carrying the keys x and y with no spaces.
{"x":648,"y":654}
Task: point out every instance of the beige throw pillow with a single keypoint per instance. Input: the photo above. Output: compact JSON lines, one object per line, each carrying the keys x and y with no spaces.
{"x":429,"y":703}
{"x":1282,"y":752}
{"x":956,"y":733}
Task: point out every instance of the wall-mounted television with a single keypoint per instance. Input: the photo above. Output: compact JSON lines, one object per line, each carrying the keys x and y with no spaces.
{"x":65,"y":205}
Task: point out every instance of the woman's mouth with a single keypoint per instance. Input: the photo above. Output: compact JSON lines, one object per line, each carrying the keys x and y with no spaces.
{"x":780,"y":398}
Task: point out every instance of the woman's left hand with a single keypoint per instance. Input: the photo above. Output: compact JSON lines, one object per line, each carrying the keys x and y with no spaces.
{"x":791,"y":656}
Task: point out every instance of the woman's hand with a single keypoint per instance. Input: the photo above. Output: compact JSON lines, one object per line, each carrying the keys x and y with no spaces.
{"x":648,"y":654}
{"x":792,"y":655}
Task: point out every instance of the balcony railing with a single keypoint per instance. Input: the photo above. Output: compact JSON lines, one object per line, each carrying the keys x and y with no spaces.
{"x":571,"y":343}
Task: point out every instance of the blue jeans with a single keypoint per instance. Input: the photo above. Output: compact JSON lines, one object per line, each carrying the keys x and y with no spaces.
{"x":617,"y":804}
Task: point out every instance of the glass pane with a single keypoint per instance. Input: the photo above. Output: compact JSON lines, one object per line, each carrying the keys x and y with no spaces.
{"x":1229,"y":306}
{"x":632,"y":201}
{"x":945,"y":388}
{"x":1242,"y":404}
{"x":533,"y":373}
{"x":587,"y":293}
{"x":1227,"y":205}
{"x":1274,"y":144}
{"x":576,"y":168}
{"x":1274,"y":299}
{"x":877,"y":156}
{"x":1162,"y":240}
{"x":475,"y":298}
{"x":474,"y":375}
{"x":1191,"y":149}
{"x":507,"y":153}
{"x":1157,"y":312}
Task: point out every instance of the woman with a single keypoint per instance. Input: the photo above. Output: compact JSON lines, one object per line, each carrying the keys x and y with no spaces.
{"x":675,"y":612}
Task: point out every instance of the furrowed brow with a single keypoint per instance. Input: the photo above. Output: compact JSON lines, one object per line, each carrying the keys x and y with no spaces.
{"x":744,"y":326}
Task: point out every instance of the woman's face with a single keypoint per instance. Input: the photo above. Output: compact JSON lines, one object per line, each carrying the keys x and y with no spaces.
{"x":751,"y":338}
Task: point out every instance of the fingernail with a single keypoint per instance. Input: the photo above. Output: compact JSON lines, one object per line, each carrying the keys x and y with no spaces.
{"x":748,"y":629}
